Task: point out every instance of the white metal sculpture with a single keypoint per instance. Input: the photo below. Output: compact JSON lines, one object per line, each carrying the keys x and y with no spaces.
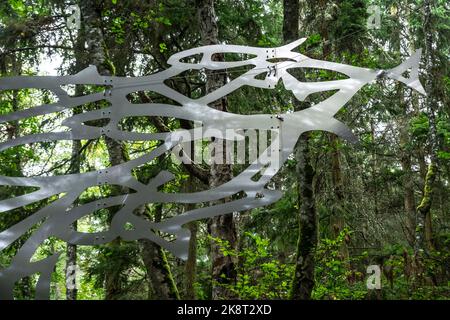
{"x":58,"y":216}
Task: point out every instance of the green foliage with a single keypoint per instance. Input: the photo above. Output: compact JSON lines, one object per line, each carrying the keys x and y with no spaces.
{"x":117,"y":28}
{"x":419,"y":127}
{"x":334,"y":273}
{"x":257,"y":22}
{"x":162,"y":47}
{"x":429,"y":281}
{"x":260,"y":274}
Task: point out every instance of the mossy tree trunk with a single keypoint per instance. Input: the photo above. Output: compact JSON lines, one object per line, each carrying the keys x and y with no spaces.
{"x":223,"y":226}
{"x":97,"y":55}
{"x":161,"y":283}
{"x":191,"y":263}
{"x":303,"y":280}
{"x":424,"y":234}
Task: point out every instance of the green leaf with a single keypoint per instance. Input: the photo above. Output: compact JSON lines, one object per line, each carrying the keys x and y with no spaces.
{"x":162,"y":47}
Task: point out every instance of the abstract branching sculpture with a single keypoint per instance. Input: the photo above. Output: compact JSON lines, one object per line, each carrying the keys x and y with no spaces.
{"x":57,"y":217}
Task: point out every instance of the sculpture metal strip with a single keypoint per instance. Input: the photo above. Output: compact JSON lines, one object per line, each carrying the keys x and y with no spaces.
{"x":57,"y":217}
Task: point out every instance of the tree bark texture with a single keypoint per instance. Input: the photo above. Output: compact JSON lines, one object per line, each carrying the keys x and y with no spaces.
{"x":223,"y":226}
{"x":303,"y":280}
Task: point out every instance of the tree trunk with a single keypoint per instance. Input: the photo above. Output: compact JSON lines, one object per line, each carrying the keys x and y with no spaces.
{"x":223,"y":227}
{"x":98,"y":56}
{"x":71,"y":249}
{"x":408,"y":186}
{"x":75,"y":163}
{"x":424,"y":225}
{"x":13,"y":132}
{"x":424,"y":234}
{"x":162,"y":284}
{"x":160,"y":277}
{"x":191,"y":263}
{"x":291,"y":20}
{"x":303,"y":281}
{"x":337,"y":217}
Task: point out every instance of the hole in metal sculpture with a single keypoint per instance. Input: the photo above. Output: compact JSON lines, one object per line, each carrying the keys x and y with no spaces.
{"x":317,"y":97}
{"x":315,"y":74}
{"x":406,"y":74}
{"x":278,"y":60}
{"x":195,"y":58}
{"x":261,"y":76}
{"x":79,"y":90}
{"x":140,"y":97}
{"x":236,"y":56}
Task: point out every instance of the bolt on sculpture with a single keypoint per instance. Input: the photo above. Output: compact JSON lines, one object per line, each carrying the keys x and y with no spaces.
{"x":57,"y":217}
